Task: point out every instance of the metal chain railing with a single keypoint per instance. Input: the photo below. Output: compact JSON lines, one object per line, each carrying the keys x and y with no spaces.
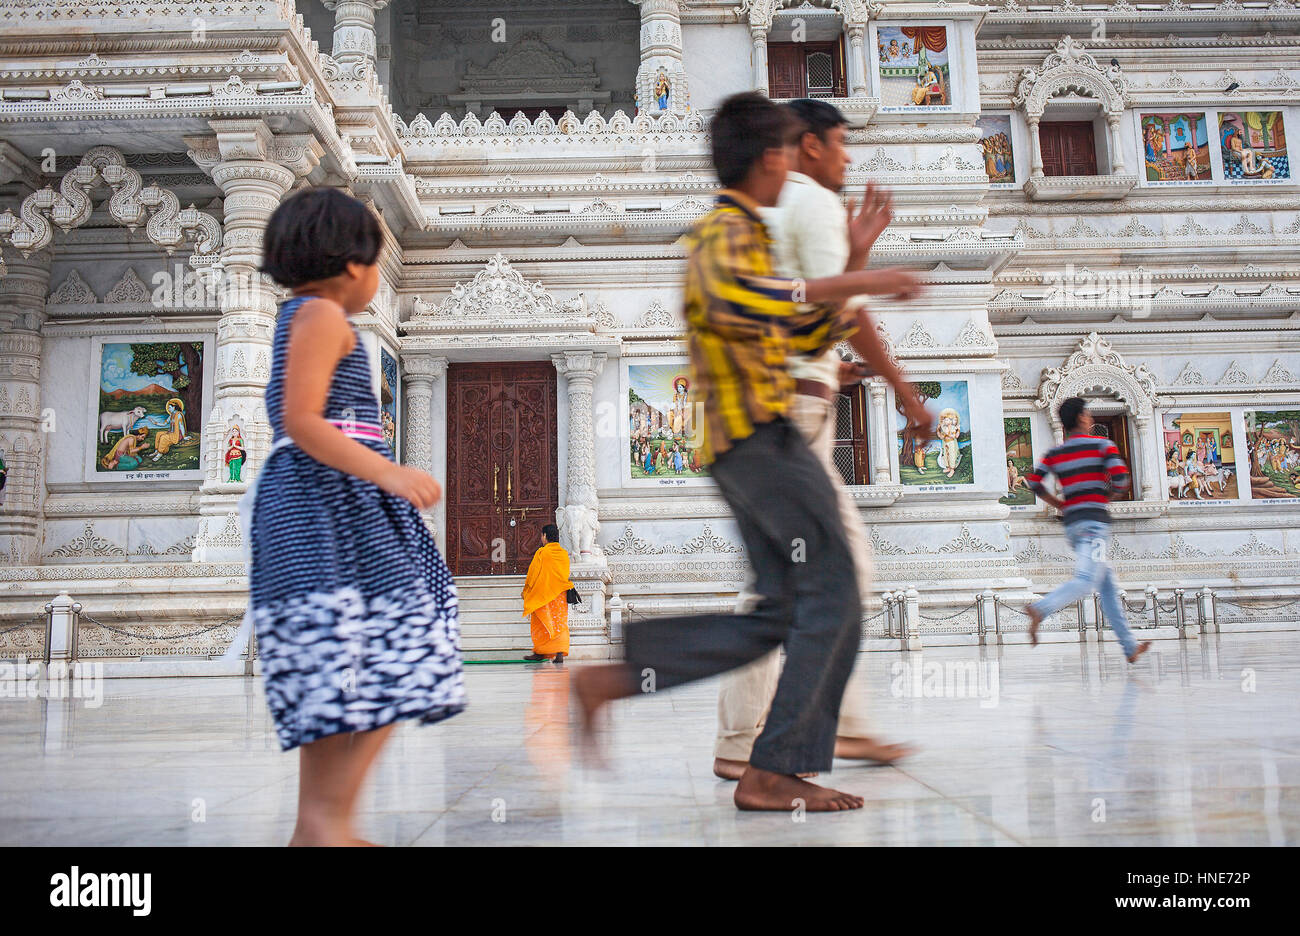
{"x":1256,"y":607}
{"x":37,"y":621}
{"x":126,"y":633}
{"x":948,"y":617}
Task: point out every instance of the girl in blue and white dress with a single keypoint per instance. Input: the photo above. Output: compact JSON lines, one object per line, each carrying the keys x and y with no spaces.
{"x":354,"y":609}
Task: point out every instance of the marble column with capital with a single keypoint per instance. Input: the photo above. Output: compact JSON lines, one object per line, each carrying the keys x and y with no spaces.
{"x":1035,"y":149}
{"x":878,"y":422}
{"x":857,"y":60}
{"x":354,"y":30}
{"x":254,"y":169}
{"x":1116,"y":147}
{"x":758,"y":58}
{"x":577,"y":516}
{"x":661,"y":50}
{"x":424,"y":439}
{"x":22,"y":428}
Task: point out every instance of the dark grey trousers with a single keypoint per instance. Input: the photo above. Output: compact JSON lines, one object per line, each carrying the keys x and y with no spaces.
{"x":808,"y":600}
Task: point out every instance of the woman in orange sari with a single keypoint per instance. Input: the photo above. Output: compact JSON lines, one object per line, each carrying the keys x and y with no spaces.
{"x":545,"y":600}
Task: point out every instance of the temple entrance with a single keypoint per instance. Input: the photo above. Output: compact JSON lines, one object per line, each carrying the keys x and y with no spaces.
{"x":1115,"y":427}
{"x":502,"y":476}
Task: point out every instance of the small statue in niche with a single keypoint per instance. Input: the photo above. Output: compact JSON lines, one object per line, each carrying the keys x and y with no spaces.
{"x":235,"y":453}
{"x":663,"y":90}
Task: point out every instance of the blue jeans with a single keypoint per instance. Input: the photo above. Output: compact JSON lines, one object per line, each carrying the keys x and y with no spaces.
{"x":1090,"y":540}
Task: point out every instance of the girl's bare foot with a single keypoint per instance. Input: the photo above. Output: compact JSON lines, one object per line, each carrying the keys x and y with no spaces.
{"x":774,"y":792}
{"x":1142,"y":648}
{"x":870,"y":749}
{"x":593,"y":688}
{"x":1035,"y":618}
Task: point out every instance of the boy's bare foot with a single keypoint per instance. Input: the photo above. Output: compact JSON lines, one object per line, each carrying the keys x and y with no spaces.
{"x":1142,"y":648}
{"x":725,"y":769}
{"x":774,"y":792}
{"x":1035,"y":618}
{"x":870,"y":749}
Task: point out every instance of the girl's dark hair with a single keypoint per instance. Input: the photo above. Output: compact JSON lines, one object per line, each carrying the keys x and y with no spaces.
{"x":551,"y":532}
{"x":744,"y":128}
{"x":315,"y":234}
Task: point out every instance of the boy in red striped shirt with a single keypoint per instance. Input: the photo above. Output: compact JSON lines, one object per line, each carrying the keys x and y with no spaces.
{"x":1089,"y":469}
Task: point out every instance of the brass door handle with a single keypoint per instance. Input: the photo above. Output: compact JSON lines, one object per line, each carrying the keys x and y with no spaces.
{"x":509,"y":489}
{"x":496,"y":471}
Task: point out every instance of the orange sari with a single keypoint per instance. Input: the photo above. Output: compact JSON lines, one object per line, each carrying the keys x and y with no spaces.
{"x":544,"y":599}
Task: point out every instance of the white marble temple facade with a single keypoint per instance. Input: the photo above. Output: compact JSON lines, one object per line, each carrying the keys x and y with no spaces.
{"x":1153,"y":297}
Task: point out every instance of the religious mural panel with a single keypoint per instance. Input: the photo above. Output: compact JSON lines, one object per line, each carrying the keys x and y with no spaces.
{"x":946,"y":459}
{"x":913,"y":67}
{"x":149,"y":409}
{"x":662,"y":445}
{"x":1200,"y":461}
{"x":995,"y":140}
{"x":1020,"y":461}
{"x":1273,"y":448}
{"x":1177,"y":147}
{"x":1254,"y":146}
{"x":389,"y":393}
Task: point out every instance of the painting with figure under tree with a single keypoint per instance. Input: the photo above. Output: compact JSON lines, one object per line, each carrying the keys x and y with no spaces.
{"x":1176,"y":147}
{"x":1273,"y":450}
{"x":662,"y":418}
{"x":914,"y":67}
{"x":1200,"y":462}
{"x":150,"y":408}
{"x":946,"y":459}
{"x":1020,"y":461}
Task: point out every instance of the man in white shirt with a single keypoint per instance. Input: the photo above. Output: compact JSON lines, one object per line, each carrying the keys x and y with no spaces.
{"x":810,"y":227}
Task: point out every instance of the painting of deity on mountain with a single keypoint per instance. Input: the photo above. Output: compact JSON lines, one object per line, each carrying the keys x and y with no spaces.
{"x":663,"y":444}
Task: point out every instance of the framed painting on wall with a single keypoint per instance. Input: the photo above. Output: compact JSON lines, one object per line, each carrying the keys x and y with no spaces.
{"x":913,"y":67}
{"x":1273,"y":453}
{"x":660,"y":436}
{"x":999,"y":156}
{"x":948,"y":458}
{"x":1020,"y":461}
{"x":1253,"y":144}
{"x":1176,"y":148}
{"x":148,"y":407}
{"x":389,"y":395}
{"x":1200,"y":463}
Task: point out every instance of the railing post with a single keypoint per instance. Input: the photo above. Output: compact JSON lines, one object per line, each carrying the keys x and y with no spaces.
{"x":912,"y":604}
{"x":987,"y":614}
{"x":1207,"y":612}
{"x":1153,"y":605}
{"x":615,"y":605}
{"x":1180,"y":615}
{"x":997,"y":618}
{"x":61,"y":631}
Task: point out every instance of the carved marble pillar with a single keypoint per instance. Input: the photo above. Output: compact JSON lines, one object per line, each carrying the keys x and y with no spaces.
{"x":1035,"y":149}
{"x":22,"y":431}
{"x":878,"y":421}
{"x":577,"y":516}
{"x":857,"y":60}
{"x":354,"y":29}
{"x":254,"y":169}
{"x":758,"y":58}
{"x":661,"y":50}
{"x":419,"y":447}
{"x":1148,"y":446}
{"x":1116,"y":149}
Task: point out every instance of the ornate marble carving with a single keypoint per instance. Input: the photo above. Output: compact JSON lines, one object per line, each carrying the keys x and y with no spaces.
{"x":132,"y":202}
{"x":130,"y":288}
{"x":499,"y":293}
{"x":73,"y":291}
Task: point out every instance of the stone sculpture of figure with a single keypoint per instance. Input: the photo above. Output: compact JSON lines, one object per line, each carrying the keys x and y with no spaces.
{"x":662,"y":90}
{"x":235,"y":453}
{"x":578,"y":528}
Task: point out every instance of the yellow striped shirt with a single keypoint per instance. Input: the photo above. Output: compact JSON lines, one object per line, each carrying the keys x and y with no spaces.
{"x":743,"y":324}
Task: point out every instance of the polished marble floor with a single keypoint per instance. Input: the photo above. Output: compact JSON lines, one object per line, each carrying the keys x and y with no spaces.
{"x":1058,"y":745}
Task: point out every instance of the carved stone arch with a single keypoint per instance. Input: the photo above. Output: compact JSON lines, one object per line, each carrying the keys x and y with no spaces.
{"x":166,"y":223}
{"x":1070,"y":68}
{"x":1096,"y":368}
{"x":761,"y":12}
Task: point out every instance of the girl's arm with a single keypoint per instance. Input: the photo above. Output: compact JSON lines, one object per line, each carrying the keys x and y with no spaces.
{"x":319,"y":339}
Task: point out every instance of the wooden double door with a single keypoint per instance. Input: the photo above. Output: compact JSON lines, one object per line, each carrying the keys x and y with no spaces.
{"x":502,"y":476}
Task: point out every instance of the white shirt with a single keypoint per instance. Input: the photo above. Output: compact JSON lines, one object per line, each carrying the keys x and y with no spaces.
{"x":810,"y":234}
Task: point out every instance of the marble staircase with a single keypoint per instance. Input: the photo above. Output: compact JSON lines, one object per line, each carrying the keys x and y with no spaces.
{"x":492,"y":625}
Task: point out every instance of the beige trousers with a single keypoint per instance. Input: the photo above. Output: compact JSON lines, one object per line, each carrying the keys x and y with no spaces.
{"x":745,"y":694}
